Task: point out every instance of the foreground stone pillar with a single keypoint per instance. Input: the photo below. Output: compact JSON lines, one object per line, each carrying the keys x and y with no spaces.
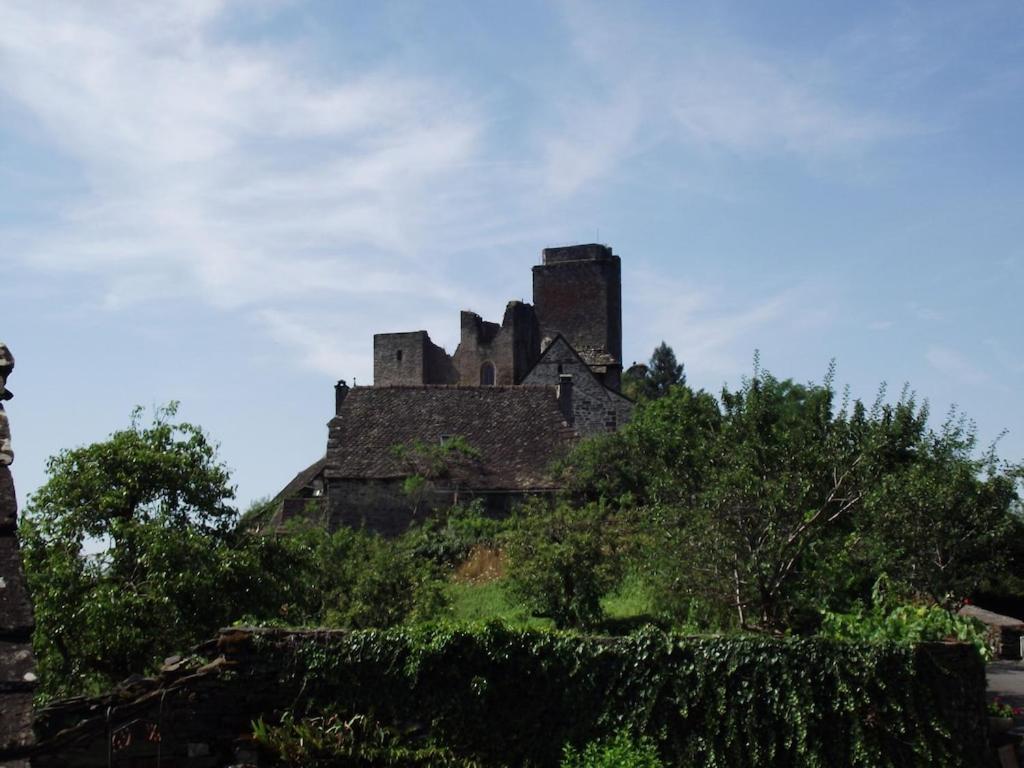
{"x":17,"y":665}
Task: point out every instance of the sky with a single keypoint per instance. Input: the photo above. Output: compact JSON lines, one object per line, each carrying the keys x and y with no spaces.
{"x":220,"y":202}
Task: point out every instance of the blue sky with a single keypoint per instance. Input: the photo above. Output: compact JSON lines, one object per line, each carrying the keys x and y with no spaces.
{"x":220,"y":202}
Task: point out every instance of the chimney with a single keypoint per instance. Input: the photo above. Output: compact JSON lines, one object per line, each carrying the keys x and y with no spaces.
{"x":565,"y":396}
{"x":340,"y":392}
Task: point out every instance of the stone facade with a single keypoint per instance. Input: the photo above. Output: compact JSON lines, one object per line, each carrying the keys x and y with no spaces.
{"x":410,"y":358}
{"x":511,"y":348}
{"x":519,"y":392}
{"x":595,"y":408}
{"x":577,"y":293}
{"x":17,"y":666}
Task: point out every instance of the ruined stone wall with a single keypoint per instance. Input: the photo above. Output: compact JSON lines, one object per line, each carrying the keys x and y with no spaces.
{"x":595,"y":409}
{"x":512,"y":347}
{"x":438,"y":366}
{"x":410,"y":358}
{"x":17,"y":666}
{"x":577,"y":292}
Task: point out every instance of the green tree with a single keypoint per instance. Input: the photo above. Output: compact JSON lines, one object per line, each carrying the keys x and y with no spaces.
{"x":657,"y":378}
{"x":660,"y":457}
{"x":943,"y":522}
{"x":155,"y":501}
{"x":779,"y":499}
{"x":562,"y":561}
{"x":170,"y":564}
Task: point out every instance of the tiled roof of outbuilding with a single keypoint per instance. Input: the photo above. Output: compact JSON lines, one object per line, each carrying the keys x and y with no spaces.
{"x":518,"y":431}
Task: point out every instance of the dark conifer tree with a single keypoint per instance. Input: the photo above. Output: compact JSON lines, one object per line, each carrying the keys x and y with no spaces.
{"x":663,"y":372}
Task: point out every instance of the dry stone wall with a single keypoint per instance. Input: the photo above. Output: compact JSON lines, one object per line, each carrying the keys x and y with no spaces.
{"x":17,"y":665}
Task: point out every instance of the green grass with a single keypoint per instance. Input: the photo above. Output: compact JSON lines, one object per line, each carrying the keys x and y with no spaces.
{"x":483,"y":602}
{"x":628,"y":607}
{"x":631,"y":600}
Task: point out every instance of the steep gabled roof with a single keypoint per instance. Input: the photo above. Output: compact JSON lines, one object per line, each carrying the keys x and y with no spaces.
{"x":559,"y":348}
{"x":518,"y":431}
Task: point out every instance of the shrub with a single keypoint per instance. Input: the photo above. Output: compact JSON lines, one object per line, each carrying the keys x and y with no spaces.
{"x":903,"y":623}
{"x":561,"y":563}
{"x":620,"y":751}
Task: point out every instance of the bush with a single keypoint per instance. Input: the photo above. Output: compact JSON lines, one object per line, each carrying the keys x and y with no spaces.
{"x":448,"y":537}
{"x":904,"y":624}
{"x":561,"y":562}
{"x":620,"y":751}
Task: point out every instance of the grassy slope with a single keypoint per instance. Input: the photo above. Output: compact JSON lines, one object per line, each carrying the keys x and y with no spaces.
{"x":627,"y":607}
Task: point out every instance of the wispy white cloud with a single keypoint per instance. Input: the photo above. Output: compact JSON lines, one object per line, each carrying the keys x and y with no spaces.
{"x":708,"y":325}
{"x":224,"y":170}
{"x":741,"y":100}
{"x":1010,"y":362}
{"x":952,"y":363}
{"x":644,"y":87}
{"x":229,"y":171}
{"x":927,"y":314}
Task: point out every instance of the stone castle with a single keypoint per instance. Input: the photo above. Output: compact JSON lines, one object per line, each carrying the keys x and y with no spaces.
{"x":520,"y":393}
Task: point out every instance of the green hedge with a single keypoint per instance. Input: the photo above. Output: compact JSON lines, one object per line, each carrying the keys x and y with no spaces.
{"x":515,"y":697}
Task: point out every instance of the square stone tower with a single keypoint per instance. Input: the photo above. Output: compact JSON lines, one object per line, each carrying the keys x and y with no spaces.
{"x":577,"y":292}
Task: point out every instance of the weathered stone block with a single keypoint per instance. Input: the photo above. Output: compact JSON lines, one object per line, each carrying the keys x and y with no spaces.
{"x":17,"y":667}
{"x":15,"y":607}
{"x":8,"y":502}
{"x":6,"y":450}
{"x":15,"y":721}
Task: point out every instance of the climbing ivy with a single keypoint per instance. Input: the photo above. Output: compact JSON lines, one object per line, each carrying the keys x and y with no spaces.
{"x":502,"y":696}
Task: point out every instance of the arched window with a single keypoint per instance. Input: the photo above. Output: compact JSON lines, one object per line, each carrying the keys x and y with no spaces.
{"x":487,"y":374}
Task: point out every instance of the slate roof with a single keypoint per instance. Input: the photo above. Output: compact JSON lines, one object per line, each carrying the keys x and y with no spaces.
{"x":518,"y":431}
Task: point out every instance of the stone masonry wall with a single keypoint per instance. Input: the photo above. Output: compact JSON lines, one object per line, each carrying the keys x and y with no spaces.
{"x":410,"y":358}
{"x":595,"y":409}
{"x":577,"y":292}
{"x":398,"y":358}
{"x":513,"y":347}
{"x":383,"y":507}
{"x":378,"y":505}
{"x":17,"y":666}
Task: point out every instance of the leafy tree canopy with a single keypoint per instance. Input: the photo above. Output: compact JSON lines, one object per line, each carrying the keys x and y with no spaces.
{"x":779,"y":499}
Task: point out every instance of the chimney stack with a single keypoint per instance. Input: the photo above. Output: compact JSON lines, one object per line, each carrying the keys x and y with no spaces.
{"x":340,"y":392}
{"x":565,"y":396}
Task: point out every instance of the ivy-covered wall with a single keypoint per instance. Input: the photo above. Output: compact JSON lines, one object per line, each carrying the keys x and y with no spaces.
{"x":512,"y":698}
